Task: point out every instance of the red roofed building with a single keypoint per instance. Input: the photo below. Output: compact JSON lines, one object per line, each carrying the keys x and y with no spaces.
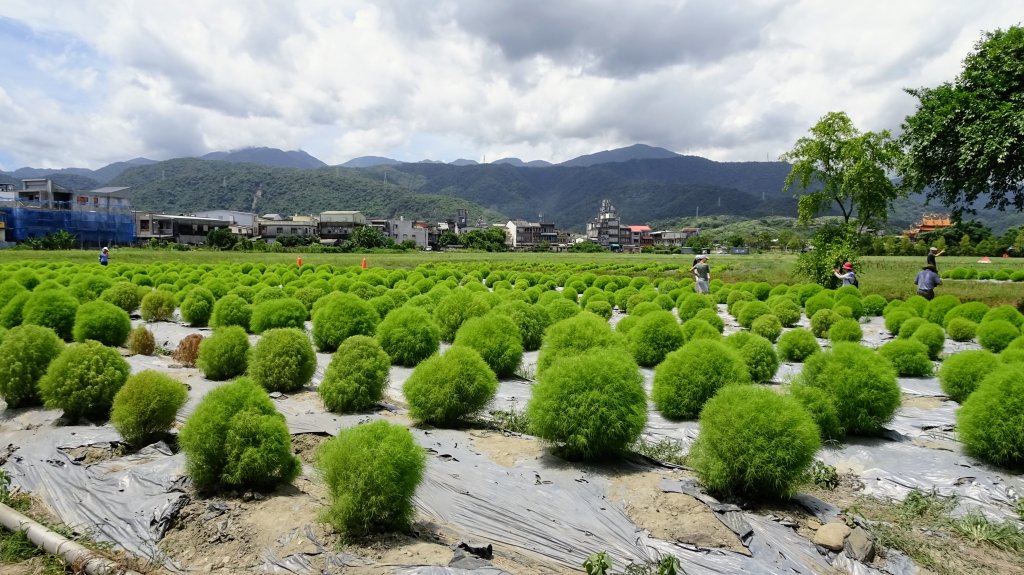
{"x":640,"y":236}
{"x":928,"y":223}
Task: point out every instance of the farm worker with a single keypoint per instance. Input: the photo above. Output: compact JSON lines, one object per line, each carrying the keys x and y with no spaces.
{"x":364,"y":263}
{"x":926,"y":281}
{"x":104,"y":256}
{"x":299,"y":261}
{"x":933,"y":252}
{"x":701,"y":274}
{"x":849,"y":278}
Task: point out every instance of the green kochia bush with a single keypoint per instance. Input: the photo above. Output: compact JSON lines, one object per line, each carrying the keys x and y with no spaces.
{"x":932,"y":336}
{"x":197,"y":306}
{"x":908,"y":356}
{"x":25,"y":353}
{"x":937,"y":309}
{"x":995,"y":334}
{"x":573,"y":336}
{"x":895,"y":319}
{"x":767,"y":326}
{"x":496,"y":338}
{"x":10,"y":315}
{"x":753,"y":442}
{"x":822,"y":408}
{"x":124,"y":295}
{"x":371,"y":471}
{"x":862,"y":385}
{"x":224,"y":354}
{"x":276,"y":313}
{"x":158,"y":305}
{"x":692,"y":374}
{"x":53,"y":309}
{"x":83,"y":380}
{"x":145,"y":406}
{"x":697,"y":328}
{"x":873,"y":304}
{"x":822,"y":320}
{"x":408,"y":335}
{"x":282,"y":360}
{"x":758,"y":354}
{"x":338,"y":317}
{"x":445,"y":388}
{"x":845,"y":329}
{"x":231,"y":310}
{"x":972,"y":310}
{"x":960,"y":373}
{"x":991,"y":420}
{"x":961,"y":329}
{"x":103,"y":322}
{"x":656,"y":335}
{"x":593,"y":405}
{"x":236,"y":438}
{"x":797,"y":345}
{"x":456,"y":308}
{"x":531,"y":319}
{"x":356,"y":376}
{"x":910,"y":326}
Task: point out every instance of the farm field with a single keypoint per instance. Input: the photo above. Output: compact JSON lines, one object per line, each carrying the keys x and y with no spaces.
{"x":897,"y":475}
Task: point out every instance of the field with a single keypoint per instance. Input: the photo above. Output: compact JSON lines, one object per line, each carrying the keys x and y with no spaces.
{"x":908,"y":486}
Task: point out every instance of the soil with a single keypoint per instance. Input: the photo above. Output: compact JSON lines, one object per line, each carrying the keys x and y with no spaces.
{"x":306,"y":444}
{"x":506,"y":449}
{"x":923,"y":402}
{"x":88,"y":454}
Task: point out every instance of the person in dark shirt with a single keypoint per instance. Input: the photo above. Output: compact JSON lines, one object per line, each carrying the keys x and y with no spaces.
{"x":926,"y":281}
{"x":104,"y":256}
{"x":933,"y":252}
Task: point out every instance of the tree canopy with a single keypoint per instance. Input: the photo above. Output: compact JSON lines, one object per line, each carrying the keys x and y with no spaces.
{"x":838,"y":166}
{"x":965,"y":141}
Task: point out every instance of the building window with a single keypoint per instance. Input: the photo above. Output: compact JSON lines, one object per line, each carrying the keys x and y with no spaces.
{"x":280,"y":230}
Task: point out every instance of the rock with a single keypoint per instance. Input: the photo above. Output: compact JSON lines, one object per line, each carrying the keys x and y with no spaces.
{"x":859,"y":546}
{"x":831,"y":536}
{"x":813,"y":524}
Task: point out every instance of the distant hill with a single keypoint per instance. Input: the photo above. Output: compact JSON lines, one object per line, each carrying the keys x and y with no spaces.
{"x":634,"y":152}
{"x":369,"y":162}
{"x":465,"y":162}
{"x":111,"y":171}
{"x":521,"y":164}
{"x":271,"y":157}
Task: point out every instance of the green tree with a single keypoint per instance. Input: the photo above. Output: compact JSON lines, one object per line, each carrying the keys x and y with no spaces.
{"x":221,"y":239}
{"x":838,"y":166}
{"x":366,"y":237}
{"x":965,"y":247}
{"x":966,"y":138}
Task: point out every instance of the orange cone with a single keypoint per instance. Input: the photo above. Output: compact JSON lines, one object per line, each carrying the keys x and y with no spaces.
{"x":364,"y":263}
{"x":299,"y":261}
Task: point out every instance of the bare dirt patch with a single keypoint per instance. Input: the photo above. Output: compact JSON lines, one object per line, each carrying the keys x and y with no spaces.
{"x":506,"y":449}
{"x":88,"y":454}
{"x":923,"y":402}
{"x":305,"y":445}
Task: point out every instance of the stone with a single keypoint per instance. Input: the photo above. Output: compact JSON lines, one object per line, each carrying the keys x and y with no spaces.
{"x":813,"y":524}
{"x":831,"y":536}
{"x":859,"y":546}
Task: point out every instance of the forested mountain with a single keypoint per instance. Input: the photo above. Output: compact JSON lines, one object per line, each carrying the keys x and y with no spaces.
{"x":634,"y":152}
{"x":271,"y":157}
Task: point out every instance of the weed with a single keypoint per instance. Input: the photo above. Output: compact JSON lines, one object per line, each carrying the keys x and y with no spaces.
{"x":511,"y":420}
{"x":188,"y":350}
{"x":665,"y":450}
{"x":823,"y":475}
{"x":597,"y":564}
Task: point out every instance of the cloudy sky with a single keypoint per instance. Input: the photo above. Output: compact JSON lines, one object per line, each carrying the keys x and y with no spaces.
{"x":85,"y":83}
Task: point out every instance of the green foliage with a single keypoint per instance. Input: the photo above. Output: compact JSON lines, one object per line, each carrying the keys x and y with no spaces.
{"x":758,"y":354}
{"x":937,"y":309}
{"x":456,"y":308}
{"x":996,"y":334}
{"x":338,"y":317}
{"x":124,"y":295}
{"x":833,"y":244}
{"x":933,"y":336}
{"x":446,"y":388}
{"x":230,"y":310}
{"x":786,"y":310}
{"x":224,"y":354}
{"x":691,"y":303}
{"x":25,"y":353}
{"x":599,"y":307}
{"x":909,"y":357}
{"x":894,"y":319}
{"x":141,"y":341}
{"x":561,"y":308}
{"x":961,"y":329}
{"x":698,"y":328}
{"x":861,"y":384}
{"x":1004,"y":312}
{"x":146,"y":405}
{"x":751,"y":311}
{"x":593,"y":404}
{"x":753,"y":442}
{"x":960,"y":373}
{"x":282,"y":360}
{"x":991,"y":421}
{"x":910,"y":327}
{"x":818,"y":302}
{"x":973,"y":310}
{"x":822,"y":320}
{"x":845,"y":329}
{"x":574,"y":336}
{"x":823,"y":411}
{"x":598,"y":563}
{"x":103,"y":322}
{"x":83,"y":380}
{"x":197,"y":306}
{"x":408,"y":335}
{"x":767,"y":326}
{"x":873,"y":304}
{"x":692,"y":374}
{"x":158,"y":305}
{"x":10,"y":315}
{"x":797,"y":345}
{"x":356,"y":376}
{"x":496,"y":338}
{"x":54,"y":309}
{"x":278,"y":313}
{"x":371,"y":471}
{"x":656,"y":335}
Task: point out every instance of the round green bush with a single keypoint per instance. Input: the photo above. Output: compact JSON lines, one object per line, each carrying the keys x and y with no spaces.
{"x":751,"y":311}
{"x":197,"y":306}
{"x":124,"y":295}
{"x":758,"y":354}
{"x":408,"y":335}
{"x":862,"y":385}
{"x":278,"y":313}
{"x":698,"y":328}
{"x":991,"y":421}
{"x":141,"y":341}
{"x":339,"y":316}
{"x":961,"y":329}
{"x":146,"y":405}
{"x":909,"y":327}
{"x":561,"y":308}
{"x":1004,"y":312}
{"x":753,"y":442}
{"x":736,"y":296}
{"x":843,"y":311}
{"x":1011,"y":355}
{"x":822,"y":320}
{"x":457,"y":307}
{"x":656,"y":335}
{"x":823,"y":411}
{"x":53,"y":309}
{"x":797,"y":344}
{"x":224,"y":354}
{"x":690,"y":303}
{"x":626,"y":323}
{"x":972,"y":310}
{"x":496,"y":338}
{"x":692,"y":374}
{"x":446,"y":388}
{"x":231,"y":310}
{"x":916,"y":303}
{"x":852,"y":302}
{"x":9,"y":289}
{"x":600,"y":308}
{"x":356,"y":376}
{"x":823,"y":300}
{"x":371,"y":471}
{"x":909,"y":357}
{"x":960,"y":373}
{"x":282,"y":360}
{"x":25,"y":353}
{"x":933,"y":336}
{"x":873,"y":304}
{"x":767,"y":326}
{"x":83,"y":380}
{"x":643,"y":308}
{"x":158,"y":305}
{"x":236,"y":438}
{"x":593,"y":405}
{"x":575,"y":335}
{"x":103,"y":322}
{"x":787,"y":311}
{"x":10,"y":315}
{"x":895,"y":318}
{"x":845,"y":329}
{"x":937,"y":308}
{"x":996,"y":334}
{"x":1017,"y":343}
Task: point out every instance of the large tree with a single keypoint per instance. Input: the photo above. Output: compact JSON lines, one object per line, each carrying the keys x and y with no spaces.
{"x":966,"y":139}
{"x":838,"y":166}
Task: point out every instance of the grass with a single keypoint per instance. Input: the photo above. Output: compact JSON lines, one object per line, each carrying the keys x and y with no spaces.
{"x":511,"y":420}
{"x":665,"y":450}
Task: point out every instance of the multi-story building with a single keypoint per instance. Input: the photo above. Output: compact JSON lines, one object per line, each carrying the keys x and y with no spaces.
{"x":669,"y":238}
{"x":180,"y":229}
{"x":243,"y":224}
{"x":337,"y":226}
{"x":606,"y":229}
{"x":274,"y":227}
{"x":640,"y":236}
{"x":41,"y":207}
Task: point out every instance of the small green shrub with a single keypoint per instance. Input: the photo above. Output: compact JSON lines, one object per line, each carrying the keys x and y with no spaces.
{"x":1004,"y":312}
{"x":692,"y":374}
{"x":224,"y":354}
{"x":531,"y":319}
{"x":103,"y":322}
{"x":916,"y":303}
{"x":83,"y":380}
{"x":356,"y":376}
{"x":853,"y":302}
{"x":561,"y":308}
{"x":371,"y":471}
{"x":54,"y":309}
{"x":124,"y":295}
{"x":873,"y":304}
{"x":753,"y":442}
{"x":991,"y":421}
{"x":278,"y":313}
{"x":758,"y":354}
{"x":960,"y":373}
{"x":282,"y":360}
{"x":933,"y":336}
{"x":146,"y":405}
{"x":895,"y":318}
{"x":823,"y":411}
{"x":797,"y":344}
{"x":231,"y":310}
{"x":909,"y":357}
{"x":496,"y":338}
{"x":961,"y":329}
{"x":711,"y":316}
{"x":767,"y":326}
{"x":457,"y":307}
{"x":656,"y":335}
{"x":972,"y":310}
{"x":237,"y":439}
{"x":643,"y":308}
{"x":691,"y":303}
{"x":408,"y":335}
{"x":862,"y":385}
{"x":10,"y":315}
{"x":698,"y":328}
{"x":818,"y":302}
{"x":845,"y":329}
{"x":937,"y":308}
{"x":446,"y":388}
{"x":575,"y":335}
{"x":787,"y":311}
{"x":339,"y":316}
{"x":996,"y":334}
{"x":822,"y":320}
{"x":599,"y":307}
{"x":25,"y":353}
{"x":910,"y":326}
{"x":752,"y":311}
{"x":197,"y":306}
{"x":158,"y":305}
{"x":141,"y":341}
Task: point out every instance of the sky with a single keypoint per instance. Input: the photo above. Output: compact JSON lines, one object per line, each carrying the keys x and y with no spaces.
{"x":86,"y":83}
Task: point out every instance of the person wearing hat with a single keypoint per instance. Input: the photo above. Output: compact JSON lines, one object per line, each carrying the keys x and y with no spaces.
{"x":926,"y":281}
{"x":702,"y":274}
{"x":849,"y":278}
{"x":104,"y":256}
{"x":933,"y":252}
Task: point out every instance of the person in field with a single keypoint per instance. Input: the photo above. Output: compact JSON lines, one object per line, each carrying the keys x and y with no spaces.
{"x":702,"y":274}
{"x":104,"y":256}
{"x":848,"y":276}
{"x":927,"y":279}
